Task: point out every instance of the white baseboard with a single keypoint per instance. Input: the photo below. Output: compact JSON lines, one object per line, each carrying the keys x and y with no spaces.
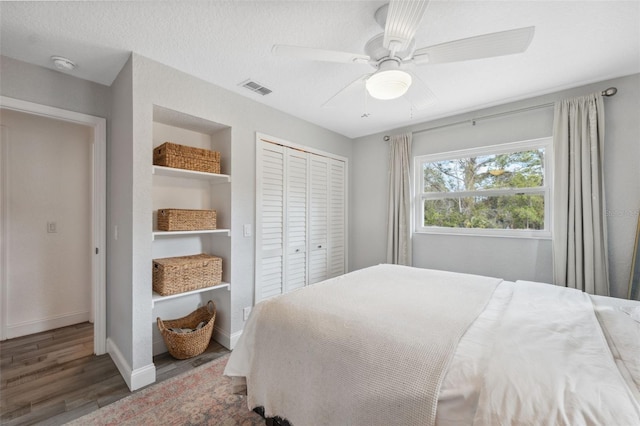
{"x":159,"y":347}
{"x":135,"y":379}
{"x":43,"y":324}
{"x":221,"y":337}
{"x":141,"y":377}
{"x":234,"y":339}
{"x":226,"y":340}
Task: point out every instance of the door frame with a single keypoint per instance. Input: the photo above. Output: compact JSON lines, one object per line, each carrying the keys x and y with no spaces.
{"x":98,"y":214}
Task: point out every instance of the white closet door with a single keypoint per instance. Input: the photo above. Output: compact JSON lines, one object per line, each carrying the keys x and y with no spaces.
{"x":296,"y":219}
{"x":270,"y":236}
{"x":337,"y":218}
{"x":318,"y":219}
{"x":300,"y":218}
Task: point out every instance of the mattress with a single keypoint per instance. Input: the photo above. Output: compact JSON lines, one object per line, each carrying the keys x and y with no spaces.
{"x":534,"y":354}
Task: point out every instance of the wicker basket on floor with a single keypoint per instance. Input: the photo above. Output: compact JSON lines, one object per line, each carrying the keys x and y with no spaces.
{"x":188,"y":345}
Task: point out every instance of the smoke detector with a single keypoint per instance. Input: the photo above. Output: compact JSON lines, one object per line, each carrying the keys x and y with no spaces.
{"x":63,"y":64}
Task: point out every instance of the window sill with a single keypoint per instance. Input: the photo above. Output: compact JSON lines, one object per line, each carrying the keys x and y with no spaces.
{"x":494,"y":233}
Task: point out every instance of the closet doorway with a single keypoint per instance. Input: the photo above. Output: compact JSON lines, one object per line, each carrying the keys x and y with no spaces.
{"x":301,"y":216}
{"x":52,"y":219}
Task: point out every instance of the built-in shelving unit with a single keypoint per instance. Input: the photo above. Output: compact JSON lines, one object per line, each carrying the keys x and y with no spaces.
{"x":188,"y":189}
{"x":162,"y":234}
{"x":190,"y":174}
{"x":158,"y":298}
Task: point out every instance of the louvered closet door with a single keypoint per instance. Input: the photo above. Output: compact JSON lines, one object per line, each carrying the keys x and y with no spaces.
{"x":296,"y":219}
{"x":318,"y":218}
{"x":300,"y":219}
{"x":270,"y":205}
{"x":337,"y":218}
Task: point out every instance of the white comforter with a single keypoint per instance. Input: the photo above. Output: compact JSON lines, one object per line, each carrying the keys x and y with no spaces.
{"x":367,"y":348}
{"x":535,"y":355}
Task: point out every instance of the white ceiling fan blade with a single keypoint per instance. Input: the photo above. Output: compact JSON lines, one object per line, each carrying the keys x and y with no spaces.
{"x":483,"y":46}
{"x":357,"y":85}
{"x":403,"y":20}
{"x":318,"y":54}
{"x":419,"y":95}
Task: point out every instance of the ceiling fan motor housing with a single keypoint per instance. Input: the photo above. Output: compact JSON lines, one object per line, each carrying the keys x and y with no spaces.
{"x":377,"y":52}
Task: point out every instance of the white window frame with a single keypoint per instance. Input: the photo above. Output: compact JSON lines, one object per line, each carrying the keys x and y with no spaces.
{"x":546,"y":189}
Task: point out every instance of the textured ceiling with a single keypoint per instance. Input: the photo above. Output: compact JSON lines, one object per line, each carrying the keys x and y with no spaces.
{"x":227,"y":42}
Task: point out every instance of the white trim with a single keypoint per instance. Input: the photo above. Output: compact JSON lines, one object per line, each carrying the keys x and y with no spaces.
{"x":144,"y":376}
{"x":546,"y":190}
{"x":4,"y":232}
{"x":226,"y":340}
{"x":283,"y":142}
{"x":99,"y":197}
{"x":135,"y":379}
{"x":43,"y":324}
{"x":234,"y":339}
{"x":120,"y":361}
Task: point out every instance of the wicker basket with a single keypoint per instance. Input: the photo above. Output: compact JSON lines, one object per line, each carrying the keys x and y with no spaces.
{"x":172,"y":275}
{"x":186,"y":220}
{"x":186,"y":157}
{"x":187,"y":345}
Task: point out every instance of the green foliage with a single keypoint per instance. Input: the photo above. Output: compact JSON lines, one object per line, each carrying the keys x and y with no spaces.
{"x":513,"y":170}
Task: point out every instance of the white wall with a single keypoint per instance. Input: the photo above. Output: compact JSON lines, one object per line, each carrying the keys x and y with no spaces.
{"x":507,"y":258}
{"x":49,"y":180}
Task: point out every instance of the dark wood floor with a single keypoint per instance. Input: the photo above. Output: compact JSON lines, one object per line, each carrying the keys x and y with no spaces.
{"x":53,"y":377}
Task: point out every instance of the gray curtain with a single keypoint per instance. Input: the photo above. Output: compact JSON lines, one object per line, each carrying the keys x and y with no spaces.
{"x":579,"y":220}
{"x":399,"y":224}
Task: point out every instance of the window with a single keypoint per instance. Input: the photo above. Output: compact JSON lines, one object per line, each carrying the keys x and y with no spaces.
{"x":501,"y":190}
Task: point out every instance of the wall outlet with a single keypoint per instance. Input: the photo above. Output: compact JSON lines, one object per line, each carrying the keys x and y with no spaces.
{"x":245,"y":313}
{"x":52,"y":227}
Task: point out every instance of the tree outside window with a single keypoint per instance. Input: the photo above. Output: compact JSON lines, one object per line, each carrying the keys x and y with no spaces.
{"x":496,"y":188}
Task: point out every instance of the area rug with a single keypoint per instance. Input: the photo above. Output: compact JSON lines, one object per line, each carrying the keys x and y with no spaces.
{"x":202,"y":396}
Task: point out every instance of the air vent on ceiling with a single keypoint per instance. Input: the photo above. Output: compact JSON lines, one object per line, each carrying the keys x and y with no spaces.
{"x":255,"y":87}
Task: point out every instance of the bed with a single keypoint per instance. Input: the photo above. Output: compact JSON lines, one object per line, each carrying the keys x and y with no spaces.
{"x":395,"y":345}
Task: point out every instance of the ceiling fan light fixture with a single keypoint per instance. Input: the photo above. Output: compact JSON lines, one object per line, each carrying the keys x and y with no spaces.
{"x":388,"y":84}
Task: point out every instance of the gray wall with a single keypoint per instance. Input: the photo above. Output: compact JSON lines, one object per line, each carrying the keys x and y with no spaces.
{"x":32,"y":83}
{"x":157,"y":84}
{"x":128,"y":107}
{"x":143,"y":83}
{"x":119,"y":214}
{"x":508,"y":258}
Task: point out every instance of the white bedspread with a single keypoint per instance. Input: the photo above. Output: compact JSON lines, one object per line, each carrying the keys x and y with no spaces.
{"x":368,"y":348}
{"x":537,"y":355}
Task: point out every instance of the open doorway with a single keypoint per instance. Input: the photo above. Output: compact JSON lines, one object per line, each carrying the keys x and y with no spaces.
{"x":58,"y":245}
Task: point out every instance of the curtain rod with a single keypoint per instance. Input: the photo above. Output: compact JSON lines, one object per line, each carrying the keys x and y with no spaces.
{"x":611,"y":91}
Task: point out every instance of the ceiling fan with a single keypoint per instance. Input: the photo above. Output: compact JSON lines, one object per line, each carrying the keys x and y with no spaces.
{"x":393,"y":52}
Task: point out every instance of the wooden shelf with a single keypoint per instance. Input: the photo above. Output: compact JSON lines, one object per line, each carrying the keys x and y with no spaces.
{"x":190,"y":174}
{"x":158,"y":298}
{"x":161,"y":234}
